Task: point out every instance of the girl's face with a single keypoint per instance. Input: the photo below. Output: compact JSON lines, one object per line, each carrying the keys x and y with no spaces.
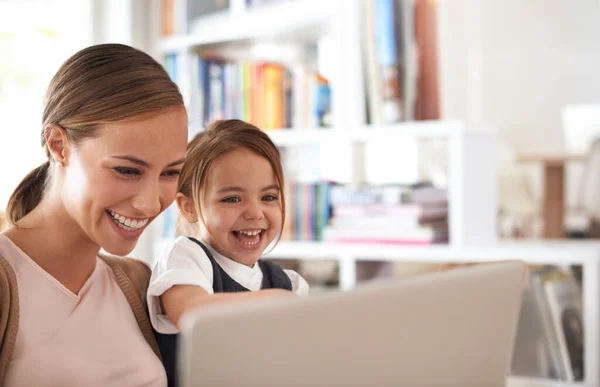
{"x":241,"y":206}
{"x":115,"y":184}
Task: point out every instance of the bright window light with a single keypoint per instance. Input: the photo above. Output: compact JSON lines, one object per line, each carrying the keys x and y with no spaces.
{"x":35,"y":38}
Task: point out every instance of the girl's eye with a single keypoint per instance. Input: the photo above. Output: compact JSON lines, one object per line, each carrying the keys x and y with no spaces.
{"x":127,"y":172}
{"x":173,"y":173}
{"x":269,"y":198}
{"x":233,"y":199}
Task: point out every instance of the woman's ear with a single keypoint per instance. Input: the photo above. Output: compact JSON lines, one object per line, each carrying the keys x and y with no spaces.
{"x":57,"y":143}
{"x":186,"y":207}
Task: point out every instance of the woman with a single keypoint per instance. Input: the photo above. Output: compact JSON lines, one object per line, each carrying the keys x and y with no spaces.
{"x":114,"y":129}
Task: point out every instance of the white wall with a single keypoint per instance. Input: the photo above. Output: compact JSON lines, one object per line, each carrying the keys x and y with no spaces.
{"x":40,"y":42}
{"x":538,"y":56}
{"x":514,"y":63}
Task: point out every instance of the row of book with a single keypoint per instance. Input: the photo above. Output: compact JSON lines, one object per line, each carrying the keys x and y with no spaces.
{"x":178,"y":16}
{"x":269,"y":95}
{"x":394,"y":214}
{"x":552,"y":301}
{"x":405,"y":215}
{"x":400,"y":57}
{"x":308,"y":211}
{"x":399,"y":49}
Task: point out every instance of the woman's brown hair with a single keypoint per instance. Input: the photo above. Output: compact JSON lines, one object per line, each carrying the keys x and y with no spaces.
{"x":98,"y":85}
{"x":219,"y":138}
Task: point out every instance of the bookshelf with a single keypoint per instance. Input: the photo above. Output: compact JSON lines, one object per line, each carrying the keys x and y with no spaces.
{"x":297,"y":29}
{"x":289,"y":20}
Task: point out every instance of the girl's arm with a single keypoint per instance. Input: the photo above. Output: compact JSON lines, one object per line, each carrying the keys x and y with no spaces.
{"x":180,"y":299}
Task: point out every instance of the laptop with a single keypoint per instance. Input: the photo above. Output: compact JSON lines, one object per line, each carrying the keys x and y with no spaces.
{"x":454,"y":328}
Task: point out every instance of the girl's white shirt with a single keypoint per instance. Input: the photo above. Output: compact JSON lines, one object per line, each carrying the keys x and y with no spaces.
{"x":185,"y":263}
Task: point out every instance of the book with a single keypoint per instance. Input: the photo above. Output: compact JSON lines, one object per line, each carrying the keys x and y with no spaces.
{"x":558,"y":299}
{"x":412,"y":236}
{"x":563,"y":300}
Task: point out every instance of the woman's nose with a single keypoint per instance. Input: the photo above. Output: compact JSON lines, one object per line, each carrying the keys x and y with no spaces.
{"x":148,"y":200}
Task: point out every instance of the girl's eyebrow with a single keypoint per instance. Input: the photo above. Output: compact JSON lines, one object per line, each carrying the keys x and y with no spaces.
{"x":271,"y":187}
{"x":231,"y":189}
{"x":240,"y":189}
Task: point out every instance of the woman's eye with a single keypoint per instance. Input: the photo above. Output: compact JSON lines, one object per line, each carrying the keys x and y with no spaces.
{"x":269,"y":198}
{"x":233,"y":199}
{"x":127,"y":172}
{"x":173,"y":173}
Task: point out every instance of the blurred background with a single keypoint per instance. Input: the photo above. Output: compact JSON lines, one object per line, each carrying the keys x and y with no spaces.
{"x":411,"y":131}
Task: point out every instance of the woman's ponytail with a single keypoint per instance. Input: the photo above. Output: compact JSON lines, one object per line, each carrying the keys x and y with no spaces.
{"x":28,"y":194}
{"x":99,"y":84}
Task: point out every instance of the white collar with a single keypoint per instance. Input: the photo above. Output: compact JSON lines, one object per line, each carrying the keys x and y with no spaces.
{"x":249,"y":277}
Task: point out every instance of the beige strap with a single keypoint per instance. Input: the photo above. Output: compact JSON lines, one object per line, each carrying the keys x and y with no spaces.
{"x":9,"y":314}
{"x":128,"y":272}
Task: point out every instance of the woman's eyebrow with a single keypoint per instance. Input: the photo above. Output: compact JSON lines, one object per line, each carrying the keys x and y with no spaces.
{"x":174,"y":163}
{"x":143,"y":163}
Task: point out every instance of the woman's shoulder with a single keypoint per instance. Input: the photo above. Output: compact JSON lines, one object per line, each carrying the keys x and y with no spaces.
{"x":132,"y":267}
{"x":12,"y":253}
{"x":126,"y":270}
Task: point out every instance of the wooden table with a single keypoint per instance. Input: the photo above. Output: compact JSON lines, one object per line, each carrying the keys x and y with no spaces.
{"x":554,"y":188}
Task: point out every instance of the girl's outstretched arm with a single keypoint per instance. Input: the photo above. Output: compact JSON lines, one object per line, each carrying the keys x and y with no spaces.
{"x":181,"y":299}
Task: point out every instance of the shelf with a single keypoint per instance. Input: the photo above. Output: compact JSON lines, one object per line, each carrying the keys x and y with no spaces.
{"x":312,"y":136}
{"x":518,"y":381}
{"x":292,"y":20}
{"x":563,"y":253}
{"x":413,"y":129}
{"x":560,"y":253}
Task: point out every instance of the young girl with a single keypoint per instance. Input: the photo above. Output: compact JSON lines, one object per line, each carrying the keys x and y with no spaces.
{"x":232,"y":207}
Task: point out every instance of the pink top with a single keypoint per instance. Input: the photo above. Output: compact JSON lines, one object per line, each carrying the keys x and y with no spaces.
{"x":66,"y":339}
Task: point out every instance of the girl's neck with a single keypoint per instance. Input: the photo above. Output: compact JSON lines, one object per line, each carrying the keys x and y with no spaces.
{"x":53,"y":240}
{"x":214,"y":250}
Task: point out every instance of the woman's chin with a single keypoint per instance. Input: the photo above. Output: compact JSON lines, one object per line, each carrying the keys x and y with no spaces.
{"x":120,"y":249}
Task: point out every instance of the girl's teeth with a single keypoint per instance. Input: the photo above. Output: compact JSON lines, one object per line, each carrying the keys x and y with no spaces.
{"x":251,"y":233}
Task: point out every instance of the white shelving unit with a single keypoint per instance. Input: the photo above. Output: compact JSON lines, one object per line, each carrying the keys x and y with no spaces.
{"x":472,"y":188}
{"x":471,"y":151}
{"x":559,"y":253}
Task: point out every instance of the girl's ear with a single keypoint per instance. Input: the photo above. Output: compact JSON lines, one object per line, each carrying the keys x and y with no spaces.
{"x":186,"y":207}
{"x":57,"y":143}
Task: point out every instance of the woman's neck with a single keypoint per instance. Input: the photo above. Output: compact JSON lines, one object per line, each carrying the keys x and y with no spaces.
{"x":52,"y":239}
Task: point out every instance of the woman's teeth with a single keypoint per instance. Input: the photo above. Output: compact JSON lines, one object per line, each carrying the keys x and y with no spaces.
{"x":126,"y":223}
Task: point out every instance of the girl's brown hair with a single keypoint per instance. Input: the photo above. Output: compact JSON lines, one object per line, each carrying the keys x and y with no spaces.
{"x":98,"y":85}
{"x":219,"y":138}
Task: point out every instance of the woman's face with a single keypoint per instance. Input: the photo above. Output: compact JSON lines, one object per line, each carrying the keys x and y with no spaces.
{"x":115,"y":184}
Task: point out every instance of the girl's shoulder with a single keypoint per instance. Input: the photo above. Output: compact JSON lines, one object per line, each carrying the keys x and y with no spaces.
{"x":181,"y":245}
{"x":299,"y":284}
{"x":181,"y":251}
